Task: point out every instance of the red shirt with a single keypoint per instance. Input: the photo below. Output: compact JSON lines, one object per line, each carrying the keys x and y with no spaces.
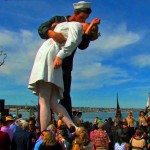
{"x":4,"y":141}
{"x":100,"y":138}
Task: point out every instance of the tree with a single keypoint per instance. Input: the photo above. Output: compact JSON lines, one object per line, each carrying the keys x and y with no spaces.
{"x":3,"y":55}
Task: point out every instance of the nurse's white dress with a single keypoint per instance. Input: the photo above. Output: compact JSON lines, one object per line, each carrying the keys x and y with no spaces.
{"x":43,"y":64}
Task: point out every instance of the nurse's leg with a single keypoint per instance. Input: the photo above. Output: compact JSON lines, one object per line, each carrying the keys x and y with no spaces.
{"x":44,"y":102}
{"x":58,"y":108}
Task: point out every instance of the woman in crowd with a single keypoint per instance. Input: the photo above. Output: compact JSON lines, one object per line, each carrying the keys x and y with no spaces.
{"x":81,"y":139}
{"x":121,"y":144}
{"x":49,"y":142}
{"x":137,"y":142}
{"x":143,"y":121}
{"x":130,"y":122}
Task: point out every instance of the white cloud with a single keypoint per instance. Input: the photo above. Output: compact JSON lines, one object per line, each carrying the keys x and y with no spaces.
{"x":21,"y":48}
{"x":141,"y":61}
{"x":114,"y":38}
{"x":95,"y":75}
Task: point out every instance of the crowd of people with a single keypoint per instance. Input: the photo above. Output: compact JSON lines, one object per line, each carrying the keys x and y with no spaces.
{"x":122,"y":133}
{"x":118,"y":133}
{"x":50,"y":80}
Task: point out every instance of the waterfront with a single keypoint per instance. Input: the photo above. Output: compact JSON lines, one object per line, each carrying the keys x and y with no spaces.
{"x":88,"y":116}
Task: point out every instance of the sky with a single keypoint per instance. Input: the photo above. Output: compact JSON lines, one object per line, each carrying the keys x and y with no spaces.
{"x":117,"y":62}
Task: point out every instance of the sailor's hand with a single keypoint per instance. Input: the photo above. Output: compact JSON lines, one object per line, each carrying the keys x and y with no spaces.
{"x":57,"y":62}
{"x":57,"y":37}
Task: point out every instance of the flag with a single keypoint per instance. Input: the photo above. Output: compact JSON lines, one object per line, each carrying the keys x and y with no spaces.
{"x":148,"y":101}
{"x":118,"y":107}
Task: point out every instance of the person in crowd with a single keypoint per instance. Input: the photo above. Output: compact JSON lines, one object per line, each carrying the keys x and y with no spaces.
{"x":126,"y":130}
{"x":53,"y":121}
{"x":60,"y":121}
{"x":122,"y":143}
{"x":130,"y":121}
{"x":112,"y":137}
{"x":38,"y":142}
{"x":94,"y":127}
{"x":5,"y":143}
{"x":32,"y":129}
{"x":22,"y":139}
{"x":109,"y":124}
{"x":16,"y":125}
{"x":100,"y":138}
{"x":118,"y":118}
{"x":138,"y":142}
{"x":49,"y":141}
{"x":118,"y":131}
{"x":46,"y":81}
{"x":19,"y":116}
{"x":56,"y":131}
{"x":6,"y":128}
{"x":63,"y":138}
{"x":53,"y":128}
{"x":77,"y":119}
{"x":81,"y":139}
{"x":99,"y":120}
{"x":71,"y":132}
{"x":95,"y":120}
{"x":37,"y":133}
{"x":82,"y":10}
{"x":74,"y":113}
{"x":142,"y":120}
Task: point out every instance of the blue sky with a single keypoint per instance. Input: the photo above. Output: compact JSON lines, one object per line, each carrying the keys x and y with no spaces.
{"x":119,"y":61}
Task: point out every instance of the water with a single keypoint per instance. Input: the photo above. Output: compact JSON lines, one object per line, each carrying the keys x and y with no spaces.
{"x":89,"y":116}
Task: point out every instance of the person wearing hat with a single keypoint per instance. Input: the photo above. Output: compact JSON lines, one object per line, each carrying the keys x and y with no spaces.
{"x":6,"y":128}
{"x":82,"y":11}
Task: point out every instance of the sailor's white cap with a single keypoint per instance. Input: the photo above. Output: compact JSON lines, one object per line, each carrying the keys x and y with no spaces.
{"x":82,"y":4}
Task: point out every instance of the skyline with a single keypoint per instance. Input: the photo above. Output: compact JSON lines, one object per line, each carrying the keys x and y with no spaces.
{"x":118,"y":62}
